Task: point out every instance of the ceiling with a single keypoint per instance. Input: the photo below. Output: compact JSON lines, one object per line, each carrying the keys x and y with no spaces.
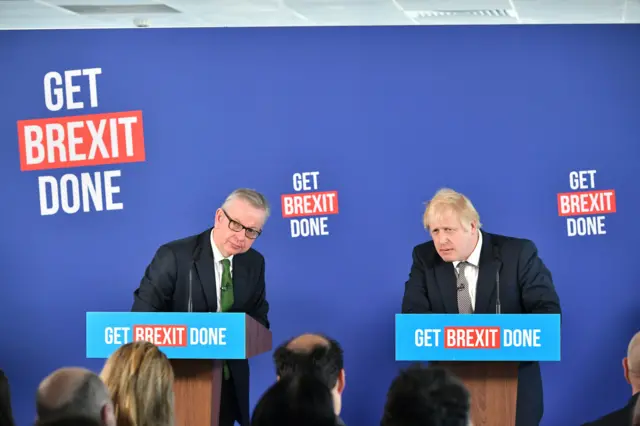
{"x":37,"y":14}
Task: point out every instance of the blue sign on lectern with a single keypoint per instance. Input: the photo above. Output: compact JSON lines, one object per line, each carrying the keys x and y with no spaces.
{"x":177,"y":334}
{"x":478,"y":337}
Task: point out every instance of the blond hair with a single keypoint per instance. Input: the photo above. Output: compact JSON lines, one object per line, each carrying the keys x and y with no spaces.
{"x":447,"y":201}
{"x":140,"y":381}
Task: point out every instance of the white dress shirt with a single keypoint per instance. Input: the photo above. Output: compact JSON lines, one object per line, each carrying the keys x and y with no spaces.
{"x":471,"y":271}
{"x":218,"y":269}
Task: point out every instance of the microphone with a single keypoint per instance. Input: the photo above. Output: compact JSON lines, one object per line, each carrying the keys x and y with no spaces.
{"x":190,"y":301}
{"x":497,"y":258}
{"x":196,"y":254}
{"x":498,"y":291}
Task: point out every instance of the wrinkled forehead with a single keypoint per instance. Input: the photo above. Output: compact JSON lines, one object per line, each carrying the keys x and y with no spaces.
{"x":248,"y":215}
{"x":444,"y":217}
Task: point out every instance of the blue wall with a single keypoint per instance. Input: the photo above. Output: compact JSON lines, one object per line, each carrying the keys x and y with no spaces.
{"x":387,"y":116}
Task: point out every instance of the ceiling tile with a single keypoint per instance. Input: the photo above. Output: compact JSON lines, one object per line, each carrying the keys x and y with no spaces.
{"x":571,"y":11}
{"x":453,"y":4}
{"x":632,"y":11}
{"x":48,"y":14}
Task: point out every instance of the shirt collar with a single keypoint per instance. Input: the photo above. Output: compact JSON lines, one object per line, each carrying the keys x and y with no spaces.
{"x":217,"y":256}
{"x":474,"y":257}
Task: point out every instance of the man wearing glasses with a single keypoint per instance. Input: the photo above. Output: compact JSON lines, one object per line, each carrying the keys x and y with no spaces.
{"x":215,"y":271}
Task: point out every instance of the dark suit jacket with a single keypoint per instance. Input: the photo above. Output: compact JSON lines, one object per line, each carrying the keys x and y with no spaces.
{"x":6,"y":413}
{"x":621,"y":417}
{"x":165,"y":288}
{"x":526,"y":286}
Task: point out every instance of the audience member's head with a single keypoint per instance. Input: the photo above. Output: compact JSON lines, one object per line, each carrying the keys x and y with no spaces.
{"x":140,"y":380}
{"x":295,"y":400}
{"x":631,"y":364}
{"x":74,"y":393}
{"x":429,"y":396}
{"x":313,"y":354}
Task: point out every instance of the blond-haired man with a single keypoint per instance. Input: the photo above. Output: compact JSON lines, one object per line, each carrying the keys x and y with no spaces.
{"x":457,"y":271}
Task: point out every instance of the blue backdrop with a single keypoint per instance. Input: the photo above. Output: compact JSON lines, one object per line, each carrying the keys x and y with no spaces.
{"x":386,"y":116}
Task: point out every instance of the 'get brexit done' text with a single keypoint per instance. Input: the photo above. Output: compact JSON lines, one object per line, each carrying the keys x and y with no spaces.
{"x":166,"y":335}
{"x":178,"y":335}
{"x":79,"y":131}
{"x":478,"y":337}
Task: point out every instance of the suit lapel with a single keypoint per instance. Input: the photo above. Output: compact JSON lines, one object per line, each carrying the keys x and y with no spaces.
{"x":446,"y":279}
{"x":204,"y":266}
{"x":488,"y":267}
{"x":240,"y":274}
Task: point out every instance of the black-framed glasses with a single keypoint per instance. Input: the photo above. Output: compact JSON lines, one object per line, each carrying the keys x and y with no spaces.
{"x":236,"y":226}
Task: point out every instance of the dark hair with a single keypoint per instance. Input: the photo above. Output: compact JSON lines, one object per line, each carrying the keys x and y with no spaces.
{"x":323,"y":360}
{"x":6,"y":413}
{"x":429,"y":396}
{"x":295,"y":401}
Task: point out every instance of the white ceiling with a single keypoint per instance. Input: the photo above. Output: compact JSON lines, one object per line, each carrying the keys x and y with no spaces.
{"x":28,"y":14}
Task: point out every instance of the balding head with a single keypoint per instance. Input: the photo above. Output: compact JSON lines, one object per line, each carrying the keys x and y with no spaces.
{"x":313,"y":354}
{"x":631,"y":363}
{"x":305,"y":343}
{"x":74,"y":392}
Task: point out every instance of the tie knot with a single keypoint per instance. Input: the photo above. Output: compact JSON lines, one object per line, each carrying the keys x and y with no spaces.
{"x":226,"y":263}
{"x":461,"y":266}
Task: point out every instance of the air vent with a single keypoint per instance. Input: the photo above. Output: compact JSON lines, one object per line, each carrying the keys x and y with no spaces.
{"x":137,"y":9}
{"x":484,"y":13}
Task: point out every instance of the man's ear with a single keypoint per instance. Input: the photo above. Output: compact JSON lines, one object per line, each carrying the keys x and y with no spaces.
{"x":217,"y":216}
{"x":341,"y":382}
{"x":277,"y":378}
{"x":625,"y":368}
{"x":107,"y":415}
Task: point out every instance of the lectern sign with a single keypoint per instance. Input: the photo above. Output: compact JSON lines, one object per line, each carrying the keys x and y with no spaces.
{"x":478,"y":337}
{"x":179,"y":335}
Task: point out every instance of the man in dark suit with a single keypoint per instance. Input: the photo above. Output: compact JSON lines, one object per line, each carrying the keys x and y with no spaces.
{"x":215,"y":271}
{"x":456,"y":273}
{"x":631,"y":369}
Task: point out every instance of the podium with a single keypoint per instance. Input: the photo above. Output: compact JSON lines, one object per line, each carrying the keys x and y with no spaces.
{"x":484,"y":351}
{"x":195,"y":343}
